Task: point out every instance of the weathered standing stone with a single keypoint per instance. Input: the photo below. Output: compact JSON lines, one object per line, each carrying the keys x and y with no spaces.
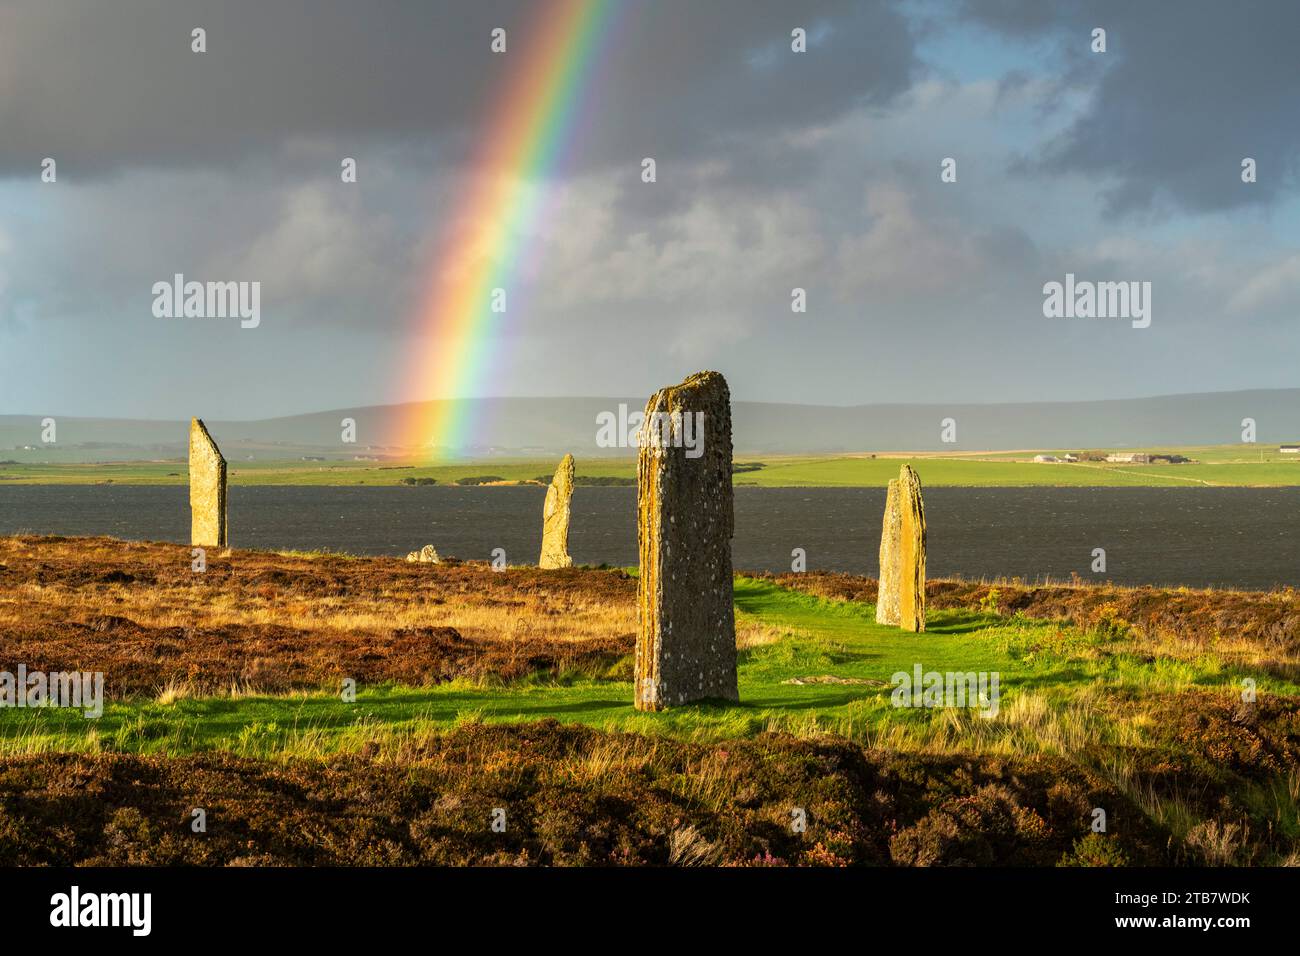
{"x":207,"y":489}
{"x":555,"y":518}
{"x":686,"y":628}
{"x":911,"y":552}
{"x":887,"y":595}
{"x":901,"y":598}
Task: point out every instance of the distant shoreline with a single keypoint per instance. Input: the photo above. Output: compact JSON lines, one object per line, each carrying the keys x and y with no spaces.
{"x":1226,"y":466}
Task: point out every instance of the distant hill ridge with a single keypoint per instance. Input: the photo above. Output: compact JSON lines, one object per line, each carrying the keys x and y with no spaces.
{"x":523,"y":427}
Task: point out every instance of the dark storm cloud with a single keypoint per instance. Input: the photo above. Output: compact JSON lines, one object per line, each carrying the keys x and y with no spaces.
{"x":1185,"y":91}
{"x":106,"y":85}
{"x":700,"y":72}
{"x":102,"y":86}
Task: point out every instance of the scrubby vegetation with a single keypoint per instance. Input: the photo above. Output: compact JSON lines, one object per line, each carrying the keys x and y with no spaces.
{"x":572,"y":796}
{"x":281,"y":622}
{"x":479,"y":689}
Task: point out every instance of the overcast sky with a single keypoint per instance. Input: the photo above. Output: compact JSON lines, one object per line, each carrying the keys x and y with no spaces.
{"x":776,"y":170}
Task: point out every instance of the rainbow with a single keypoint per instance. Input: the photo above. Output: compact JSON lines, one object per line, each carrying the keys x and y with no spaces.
{"x":483,"y":245}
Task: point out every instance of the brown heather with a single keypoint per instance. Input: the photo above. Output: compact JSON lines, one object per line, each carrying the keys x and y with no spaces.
{"x":279,"y":622}
{"x":574,"y":796}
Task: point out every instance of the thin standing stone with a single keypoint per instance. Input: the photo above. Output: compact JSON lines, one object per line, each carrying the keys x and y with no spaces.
{"x":207,"y":489}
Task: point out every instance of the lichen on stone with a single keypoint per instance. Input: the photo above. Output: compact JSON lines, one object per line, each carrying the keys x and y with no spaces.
{"x":686,"y":637}
{"x":555,"y":518}
{"x":900,"y":600}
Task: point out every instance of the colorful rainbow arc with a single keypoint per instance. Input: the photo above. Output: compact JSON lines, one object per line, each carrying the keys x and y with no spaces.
{"x":481,"y":248}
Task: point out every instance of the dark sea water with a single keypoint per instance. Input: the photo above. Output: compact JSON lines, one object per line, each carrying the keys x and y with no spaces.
{"x":1241,"y":537}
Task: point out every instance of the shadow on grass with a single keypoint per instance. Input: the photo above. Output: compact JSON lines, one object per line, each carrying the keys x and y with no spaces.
{"x":958,"y":623}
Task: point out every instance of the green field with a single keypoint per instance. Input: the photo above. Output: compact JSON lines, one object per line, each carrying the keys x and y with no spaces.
{"x":1219,"y":466}
{"x":938,"y":472}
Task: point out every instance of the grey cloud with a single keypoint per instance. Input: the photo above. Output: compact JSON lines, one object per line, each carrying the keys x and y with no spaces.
{"x":1183,"y":94}
{"x":324,"y":253}
{"x":775,"y":171}
{"x":104,"y":86}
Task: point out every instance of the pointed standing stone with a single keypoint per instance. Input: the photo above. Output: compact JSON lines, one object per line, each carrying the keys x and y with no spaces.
{"x":686,"y":628}
{"x":555,"y":518}
{"x":887,"y":595}
{"x":207,"y":489}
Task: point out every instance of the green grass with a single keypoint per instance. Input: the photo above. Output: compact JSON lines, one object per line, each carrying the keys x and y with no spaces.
{"x":300,"y":472}
{"x":1229,"y":465}
{"x":1049,"y":677}
{"x":939,"y":472}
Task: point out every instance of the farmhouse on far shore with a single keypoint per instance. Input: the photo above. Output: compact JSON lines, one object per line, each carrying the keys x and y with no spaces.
{"x":1120,"y":457}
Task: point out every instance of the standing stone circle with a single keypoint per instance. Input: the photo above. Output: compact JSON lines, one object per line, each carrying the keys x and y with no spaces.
{"x":901,"y":598}
{"x":686,"y":628}
{"x":555,"y":518}
{"x":207,"y":489}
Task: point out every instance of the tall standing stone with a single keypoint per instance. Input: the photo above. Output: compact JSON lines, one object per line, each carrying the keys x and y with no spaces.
{"x":686,"y":628}
{"x":901,"y":598}
{"x":911,"y":551}
{"x":555,"y":518}
{"x":207,"y":489}
{"x":887,"y":594}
